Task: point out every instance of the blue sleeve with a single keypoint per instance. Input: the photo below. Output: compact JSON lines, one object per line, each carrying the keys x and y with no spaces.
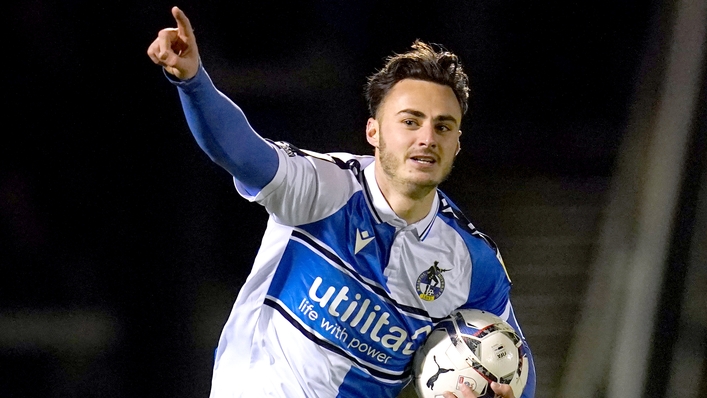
{"x":529,"y":390}
{"x":223,"y":132}
{"x":490,"y":286}
{"x":490,"y":291}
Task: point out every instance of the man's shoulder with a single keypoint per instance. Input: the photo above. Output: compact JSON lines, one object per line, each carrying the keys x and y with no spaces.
{"x":486,"y":250}
{"x":456,"y":218}
{"x":449,"y":210}
{"x":344,"y":160}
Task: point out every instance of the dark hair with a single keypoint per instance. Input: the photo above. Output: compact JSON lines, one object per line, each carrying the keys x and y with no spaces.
{"x":422,"y":62}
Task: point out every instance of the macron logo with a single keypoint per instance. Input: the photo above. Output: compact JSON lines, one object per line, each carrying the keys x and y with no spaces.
{"x":362,"y":239}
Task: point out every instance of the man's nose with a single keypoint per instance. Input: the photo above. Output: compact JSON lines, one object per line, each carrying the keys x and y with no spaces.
{"x":427,"y":136}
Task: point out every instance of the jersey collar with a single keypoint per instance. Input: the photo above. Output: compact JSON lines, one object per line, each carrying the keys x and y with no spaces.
{"x":384,"y":213}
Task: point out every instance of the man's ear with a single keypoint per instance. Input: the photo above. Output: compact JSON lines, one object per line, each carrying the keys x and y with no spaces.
{"x":459,"y":144}
{"x":372,"y":132}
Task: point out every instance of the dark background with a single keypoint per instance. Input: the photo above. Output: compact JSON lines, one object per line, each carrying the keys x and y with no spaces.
{"x":112,"y":218}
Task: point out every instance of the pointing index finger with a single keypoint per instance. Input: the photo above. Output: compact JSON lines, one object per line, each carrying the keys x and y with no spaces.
{"x":183,"y":25}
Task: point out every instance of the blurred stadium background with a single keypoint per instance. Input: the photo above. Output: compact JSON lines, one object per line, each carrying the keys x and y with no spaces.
{"x":122,"y":247}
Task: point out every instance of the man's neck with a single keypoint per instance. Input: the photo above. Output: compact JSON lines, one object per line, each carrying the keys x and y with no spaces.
{"x":411,"y":203}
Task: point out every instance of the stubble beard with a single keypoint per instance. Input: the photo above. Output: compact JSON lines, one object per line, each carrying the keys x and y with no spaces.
{"x":412,"y":188}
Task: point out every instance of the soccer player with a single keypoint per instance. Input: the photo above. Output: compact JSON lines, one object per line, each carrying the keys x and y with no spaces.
{"x":340,"y":293}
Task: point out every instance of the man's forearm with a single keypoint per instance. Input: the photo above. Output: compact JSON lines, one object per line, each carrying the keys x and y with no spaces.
{"x":223,"y":132}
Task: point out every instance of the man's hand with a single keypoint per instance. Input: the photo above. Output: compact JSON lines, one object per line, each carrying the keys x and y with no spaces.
{"x":501,"y":390}
{"x":175,"y":48}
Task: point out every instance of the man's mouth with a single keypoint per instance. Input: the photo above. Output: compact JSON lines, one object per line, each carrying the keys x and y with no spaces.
{"x":424,"y":159}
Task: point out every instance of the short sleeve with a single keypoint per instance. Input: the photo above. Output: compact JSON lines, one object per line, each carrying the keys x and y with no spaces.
{"x":306,"y":187}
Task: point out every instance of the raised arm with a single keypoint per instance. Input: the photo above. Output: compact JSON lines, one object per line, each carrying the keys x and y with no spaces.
{"x":218,"y":125}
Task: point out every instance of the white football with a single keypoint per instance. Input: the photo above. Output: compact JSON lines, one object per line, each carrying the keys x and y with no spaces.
{"x":471,"y":347}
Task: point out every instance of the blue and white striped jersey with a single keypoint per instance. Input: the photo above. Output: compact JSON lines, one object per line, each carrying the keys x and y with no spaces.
{"x":342,"y":290}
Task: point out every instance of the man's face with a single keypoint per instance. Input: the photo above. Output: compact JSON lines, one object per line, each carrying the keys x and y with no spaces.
{"x":416,"y":134}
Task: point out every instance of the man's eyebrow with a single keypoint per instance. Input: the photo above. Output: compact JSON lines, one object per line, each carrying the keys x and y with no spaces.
{"x":446,"y":118}
{"x":440,"y":118}
{"x":413,"y":112}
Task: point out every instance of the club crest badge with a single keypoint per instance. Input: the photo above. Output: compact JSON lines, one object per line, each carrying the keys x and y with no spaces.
{"x":430,"y":283}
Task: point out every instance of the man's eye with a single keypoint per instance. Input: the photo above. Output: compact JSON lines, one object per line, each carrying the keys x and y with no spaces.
{"x":409,"y":122}
{"x":443,"y":127}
